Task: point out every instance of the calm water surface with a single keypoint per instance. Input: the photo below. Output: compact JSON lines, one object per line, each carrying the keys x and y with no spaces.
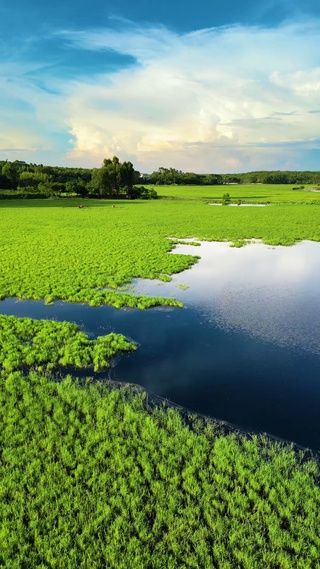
{"x":245,"y":348}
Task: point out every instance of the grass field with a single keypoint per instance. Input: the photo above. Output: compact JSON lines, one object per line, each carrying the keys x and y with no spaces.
{"x":90,"y":477}
{"x":51,"y":249}
{"x":250,"y":193}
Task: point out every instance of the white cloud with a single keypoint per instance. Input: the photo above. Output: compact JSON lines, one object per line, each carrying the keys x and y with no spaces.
{"x":304,"y":84}
{"x":221,"y":99}
{"x":218,"y":94}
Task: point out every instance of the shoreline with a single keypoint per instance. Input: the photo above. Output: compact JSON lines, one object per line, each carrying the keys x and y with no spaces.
{"x":189,"y":416}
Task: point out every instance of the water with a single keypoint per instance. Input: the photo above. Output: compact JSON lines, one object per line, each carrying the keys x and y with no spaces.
{"x":246,"y":347}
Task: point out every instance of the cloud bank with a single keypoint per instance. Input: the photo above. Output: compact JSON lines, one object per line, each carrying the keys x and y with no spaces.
{"x":215,"y":100}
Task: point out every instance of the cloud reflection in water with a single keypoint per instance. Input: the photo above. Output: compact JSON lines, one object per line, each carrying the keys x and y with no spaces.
{"x":272,"y":293}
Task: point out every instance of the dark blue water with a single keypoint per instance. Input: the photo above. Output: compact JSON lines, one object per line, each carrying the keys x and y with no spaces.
{"x":245,"y":349}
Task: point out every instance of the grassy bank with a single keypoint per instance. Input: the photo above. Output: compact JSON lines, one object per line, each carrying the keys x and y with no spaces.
{"x":54,"y":250}
{"x":90,"y":477}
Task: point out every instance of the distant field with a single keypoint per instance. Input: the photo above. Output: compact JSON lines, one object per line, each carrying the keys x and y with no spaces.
{"x":51,"y":249}
{"x":246,"y":192}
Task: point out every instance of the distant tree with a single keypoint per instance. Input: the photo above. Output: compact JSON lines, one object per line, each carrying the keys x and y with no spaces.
{"x":28,"y":179}
{"x":5,"y":183}
{"x":275,"y":178}
{"x":140,"y":192}
{"x":76,"y":187}
{"x":127,"y":175}
{"x":190,"y":178}
{"x":113,"y":179}
{"x":11,"y":172}
{"x":167,"y":176}
{"x":212,"y":179}
{"x":51,"y":189}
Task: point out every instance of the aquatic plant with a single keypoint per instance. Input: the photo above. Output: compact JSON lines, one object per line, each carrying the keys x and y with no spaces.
{"x":91,"y":476}
{"x":184,"y":242}
{"x":52,"y":250}
{"x":44,"y":344}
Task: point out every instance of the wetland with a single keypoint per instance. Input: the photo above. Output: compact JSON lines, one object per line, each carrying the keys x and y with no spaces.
{"x":93,"y":476}
{"x":245,"y":348}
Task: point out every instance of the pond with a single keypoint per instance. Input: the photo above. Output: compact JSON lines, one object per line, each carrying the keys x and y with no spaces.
{"x":245,"y":348}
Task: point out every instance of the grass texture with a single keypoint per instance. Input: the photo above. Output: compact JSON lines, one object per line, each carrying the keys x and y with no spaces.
{"x":247,"y":193}
{"x":44,"y":344}
{"x":90,"y":477}
{"x":54,"y":250}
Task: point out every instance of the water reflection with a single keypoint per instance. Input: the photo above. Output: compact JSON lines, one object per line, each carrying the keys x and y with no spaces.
{"x":269,"y":292}
{"x":244,"y":349}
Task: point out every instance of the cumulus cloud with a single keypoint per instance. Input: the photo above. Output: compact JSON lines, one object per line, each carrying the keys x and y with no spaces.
{"x":215,"y":99}
{"x":219,"y":99}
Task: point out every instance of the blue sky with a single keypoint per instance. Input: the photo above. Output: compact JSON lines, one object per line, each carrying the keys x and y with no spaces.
{"x":200,"y":86}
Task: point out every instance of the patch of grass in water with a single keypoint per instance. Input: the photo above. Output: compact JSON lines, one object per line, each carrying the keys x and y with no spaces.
{"x":238,"y":243}
{"x":44,"y":344}
{"x":184,"y":242}
{"x":182,"y":286}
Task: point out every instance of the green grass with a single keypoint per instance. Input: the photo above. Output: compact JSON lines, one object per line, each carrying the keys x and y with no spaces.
{"x":250,"y":193}
{"x":90,"y":477}
{"x":44,"y":344}
{"x":53,"y":250}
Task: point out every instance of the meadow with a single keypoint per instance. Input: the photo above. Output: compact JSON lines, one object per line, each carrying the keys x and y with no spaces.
{"x":51,"y":249}
{"x":44,"y":344}
{"x":94,"y":477}
{"x":247,"y":193}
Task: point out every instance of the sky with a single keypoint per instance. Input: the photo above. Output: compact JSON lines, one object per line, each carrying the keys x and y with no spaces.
{"x":206,"y":86}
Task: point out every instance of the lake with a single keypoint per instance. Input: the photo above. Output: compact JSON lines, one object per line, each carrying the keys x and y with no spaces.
{"x":245,"y":348}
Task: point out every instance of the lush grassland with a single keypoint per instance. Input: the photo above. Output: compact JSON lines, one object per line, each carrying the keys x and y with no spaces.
{"x":53,"y":250}
{"x":250,"y":193}
{"x":44,"y":344}
{"x":91,"y":478}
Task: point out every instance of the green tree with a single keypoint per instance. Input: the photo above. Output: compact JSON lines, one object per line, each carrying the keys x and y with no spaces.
{"x":76,"y":187}
{"x":11,"y":172}
{"x":51,"y":189}
{"x":28,"y":179}
{"x":113,"y":179}
{"x":212,"y":179}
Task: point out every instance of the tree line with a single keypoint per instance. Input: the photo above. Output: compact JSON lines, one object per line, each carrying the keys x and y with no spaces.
{"x":116,"y":179}
{"x":168,"y":176}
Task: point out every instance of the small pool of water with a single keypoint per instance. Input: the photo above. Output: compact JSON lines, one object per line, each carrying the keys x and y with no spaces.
{"x":245,"y":348}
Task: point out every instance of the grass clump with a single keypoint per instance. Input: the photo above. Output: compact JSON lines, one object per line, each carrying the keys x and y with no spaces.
{"x":182,"y":286}
{"x":91,"y":477}
{"x":184,"y":242}
{"x":45,"y":344}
